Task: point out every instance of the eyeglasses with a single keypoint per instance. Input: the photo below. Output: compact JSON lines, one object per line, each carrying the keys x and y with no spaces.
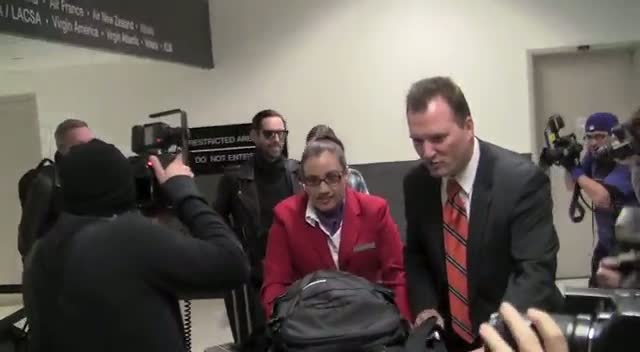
{"x":270,"y":134}
{"x":331,"y":179}
{"x":596,"y":136}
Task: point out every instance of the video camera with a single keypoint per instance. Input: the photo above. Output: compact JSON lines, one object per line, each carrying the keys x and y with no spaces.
{"x":558,"y":149}
{"x":163,"y":141}
{"x":623,"y":143}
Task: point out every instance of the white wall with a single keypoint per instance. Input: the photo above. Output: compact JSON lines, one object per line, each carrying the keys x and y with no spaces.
{"x":345,"y":63}
{"x":636,"y":80}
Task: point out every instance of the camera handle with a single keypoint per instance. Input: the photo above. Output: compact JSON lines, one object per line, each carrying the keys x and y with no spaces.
{"x":576,"y":210}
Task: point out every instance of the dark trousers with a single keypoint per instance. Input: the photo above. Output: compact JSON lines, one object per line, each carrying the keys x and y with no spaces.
{"x":598,"y":253}
{"x":247,"y":318}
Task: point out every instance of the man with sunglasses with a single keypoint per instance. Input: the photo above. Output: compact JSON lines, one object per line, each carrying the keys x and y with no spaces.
{"x":246,"y":197}
{"x":606,"y":182}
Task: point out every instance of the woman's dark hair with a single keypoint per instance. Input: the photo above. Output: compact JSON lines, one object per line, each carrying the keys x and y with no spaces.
{"x":325,"y":144}
{"x":323,"y":132}
{"x":256,"y":121}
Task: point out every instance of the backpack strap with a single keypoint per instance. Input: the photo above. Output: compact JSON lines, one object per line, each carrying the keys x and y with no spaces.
{"x":44,"y":162}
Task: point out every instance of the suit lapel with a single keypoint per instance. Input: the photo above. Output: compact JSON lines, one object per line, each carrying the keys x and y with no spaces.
{"x":429,"y":218}
{"x":434,"y":224}
{"x":480,"y":206}
{"x":318,"y":240}
{"x":350,"y":228}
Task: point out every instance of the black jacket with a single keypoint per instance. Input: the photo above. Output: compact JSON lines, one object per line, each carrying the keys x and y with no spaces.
{"x":112,"y":284}
{"x":237,"y":201}
{"x":512,"y":245}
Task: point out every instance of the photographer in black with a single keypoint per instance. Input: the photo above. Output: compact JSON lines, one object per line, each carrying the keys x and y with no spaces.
{"x":108,"y":279}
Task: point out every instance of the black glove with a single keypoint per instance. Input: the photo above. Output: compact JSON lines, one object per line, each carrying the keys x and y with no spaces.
{"x":569,"y":163}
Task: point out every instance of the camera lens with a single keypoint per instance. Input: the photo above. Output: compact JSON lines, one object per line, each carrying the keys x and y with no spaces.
{"x":578,"y":330}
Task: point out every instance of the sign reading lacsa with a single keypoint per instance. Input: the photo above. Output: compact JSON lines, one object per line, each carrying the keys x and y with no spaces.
{"x":169,"y":30}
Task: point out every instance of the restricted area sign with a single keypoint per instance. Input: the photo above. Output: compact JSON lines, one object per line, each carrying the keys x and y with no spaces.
{"x":214,"y":148}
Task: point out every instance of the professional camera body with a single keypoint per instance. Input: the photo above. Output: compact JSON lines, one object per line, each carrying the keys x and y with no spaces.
{"x":163,"y":141}
{"x":558,"y":149}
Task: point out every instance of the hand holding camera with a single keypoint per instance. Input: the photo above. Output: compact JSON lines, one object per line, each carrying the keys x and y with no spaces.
{"x":547,"y":336}
{"x":175,"y":168}
{"x":609,"y":275}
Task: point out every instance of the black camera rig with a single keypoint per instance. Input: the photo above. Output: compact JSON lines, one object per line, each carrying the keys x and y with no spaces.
{"x":163,"y":141}
{"x":558,"y":149}
{"x":563,"y":150}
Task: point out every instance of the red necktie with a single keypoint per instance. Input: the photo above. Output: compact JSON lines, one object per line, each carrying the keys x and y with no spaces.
{"x":456,"y":230}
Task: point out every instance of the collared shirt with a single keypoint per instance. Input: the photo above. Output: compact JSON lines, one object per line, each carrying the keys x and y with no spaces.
{"x":465,"y":178}
{"x":333,"y":240}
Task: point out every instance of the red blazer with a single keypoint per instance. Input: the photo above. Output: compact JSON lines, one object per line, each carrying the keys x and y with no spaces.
{"x":370,"y":247}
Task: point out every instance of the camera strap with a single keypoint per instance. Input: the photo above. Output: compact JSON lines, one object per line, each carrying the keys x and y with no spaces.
{"x":576,"y":210}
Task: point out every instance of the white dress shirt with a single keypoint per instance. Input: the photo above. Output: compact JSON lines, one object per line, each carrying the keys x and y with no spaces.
{"x":334,"y":241}
{"x":465,"y":179}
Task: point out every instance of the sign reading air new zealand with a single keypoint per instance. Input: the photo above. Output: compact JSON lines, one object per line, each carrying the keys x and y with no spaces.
{"x":169,"y":30}
{"x":212,"y":149}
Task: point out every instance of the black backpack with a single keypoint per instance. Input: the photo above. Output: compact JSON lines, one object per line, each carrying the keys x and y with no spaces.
{"x":336,"y":311}
{"x":24,"y":184}
{"x":40,"y":200}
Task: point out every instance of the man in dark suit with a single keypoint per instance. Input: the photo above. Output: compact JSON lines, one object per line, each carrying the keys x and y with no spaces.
{"x":479,"y":220}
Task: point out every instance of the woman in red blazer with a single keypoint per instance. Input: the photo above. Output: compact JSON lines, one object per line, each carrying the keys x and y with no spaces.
{"x":331,"y":226}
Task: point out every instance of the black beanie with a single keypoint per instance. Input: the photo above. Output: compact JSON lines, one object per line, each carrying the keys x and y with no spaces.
{"x":96,"y":180}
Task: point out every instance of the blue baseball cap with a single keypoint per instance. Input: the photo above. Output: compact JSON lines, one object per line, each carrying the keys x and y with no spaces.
{"x":600,"y":122}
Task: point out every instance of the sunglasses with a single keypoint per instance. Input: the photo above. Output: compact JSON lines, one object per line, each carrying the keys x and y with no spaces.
{"x":270,"y":134}
{"x":331,"y":179}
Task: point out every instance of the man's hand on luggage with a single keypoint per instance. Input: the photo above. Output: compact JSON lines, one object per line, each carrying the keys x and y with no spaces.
{"x":426,"y":314}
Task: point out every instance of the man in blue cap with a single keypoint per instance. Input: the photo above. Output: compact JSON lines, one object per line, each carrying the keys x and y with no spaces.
{"x":606,"y":182}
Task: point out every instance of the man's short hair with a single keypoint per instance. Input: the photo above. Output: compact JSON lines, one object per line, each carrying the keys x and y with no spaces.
{"x":424,"y":91}
{"x":256,"y":121}
{"x":64,"y":127}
